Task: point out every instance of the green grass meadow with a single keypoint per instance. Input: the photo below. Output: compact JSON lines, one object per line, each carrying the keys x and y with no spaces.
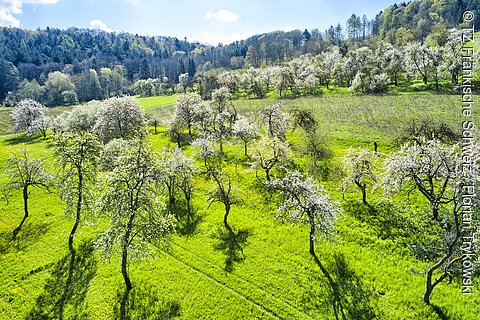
{"x":266,"y":272}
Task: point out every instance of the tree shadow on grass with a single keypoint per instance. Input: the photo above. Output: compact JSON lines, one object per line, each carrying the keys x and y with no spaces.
{"x":343,"y":290}
{"x":27,"y":235}
{"x":64,"y":293}
{"x":187,"y":223}
{"x":23,"y":138}
{"x":439,"y":312}
{"x":144,"y":302}
{"x":231,"y":243}
{"x":393,"y":222}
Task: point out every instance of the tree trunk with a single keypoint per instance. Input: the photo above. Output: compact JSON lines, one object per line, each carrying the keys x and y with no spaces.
{"x":429,"y":286}
{"x":312,"y":233}
{"x":25,"y":210}
{"x":25,"y":202}
{"x":364,"y":195}
{"x":363,"y":188}
{"x":189,"y":209}
{"x":225,"y":217}
{"x":245,"y":151}
{"x":126,"y":243}
{"x":267,"y":173}
{"x":79,"y":210}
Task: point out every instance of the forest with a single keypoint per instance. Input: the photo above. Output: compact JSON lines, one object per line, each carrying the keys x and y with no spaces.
{"x":62,"y":67}
{"x":292,"y":175}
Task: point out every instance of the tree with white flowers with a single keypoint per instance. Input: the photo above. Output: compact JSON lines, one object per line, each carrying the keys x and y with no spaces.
{"x":175,"y":171}
{"x":223,"y":190}
{"x":183,"y":81}
{"x":119,"y":117}
{"x":186,"y":109}
{"x":79,"y":119}
{"x":132,"y":201}
{"x":305,"y":202}
{"x":428,"y":166}
{"x":439,"y":173}
{"x":274,"y":120}
{"x":358,"y":166}
{"x":30,"y":116}
{"x":267,"y":153}
{"x":25,"y":173}
{"x":77,"y":154}
{"x":391,"y":60}
{"x":283,"y":79}
{"x":452,"y":59}
{"x":326,"y":63}
{"x":419,"y":59}
{"x":224,"y":114}
{"x":246,"y":131}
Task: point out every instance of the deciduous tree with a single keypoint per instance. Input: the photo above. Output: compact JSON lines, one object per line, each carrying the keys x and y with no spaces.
{"x":119,"y":117}
{"x":305,"y":202}
{"x":30,"y":116}
{"x":358,"y":167}
{"x":77,"y":154}
{"x":131,"y":199}
{"x":26,"y":172}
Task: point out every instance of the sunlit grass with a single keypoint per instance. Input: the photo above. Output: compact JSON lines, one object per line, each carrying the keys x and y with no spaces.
{"x":274,"y":277}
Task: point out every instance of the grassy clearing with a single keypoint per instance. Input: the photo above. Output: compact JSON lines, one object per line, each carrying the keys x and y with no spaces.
{"x":272,"y":275}
{"x":159,"y":101}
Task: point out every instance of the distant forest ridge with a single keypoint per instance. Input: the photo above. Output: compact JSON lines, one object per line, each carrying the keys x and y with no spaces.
{"x":27,"y":58}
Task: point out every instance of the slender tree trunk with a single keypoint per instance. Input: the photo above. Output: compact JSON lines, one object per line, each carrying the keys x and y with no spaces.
{"x":267,"y":173}
{"x":245,"y":151}
{"x":364,"y":195}
{"x":429,"y":286}
{"x":363,"y":188}
{"x":79,"y":211}
{"x":25,"y":203}
{"x":189,"y":209}
{"x":225,"y":217}
{"x":25,"y":210}
{"x":312,"y":234}
{"x":126,"y":243}
{"x":425,"y":79}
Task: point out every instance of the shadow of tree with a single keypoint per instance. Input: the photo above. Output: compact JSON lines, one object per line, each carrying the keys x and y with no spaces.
{"x":23,"y":138}
{"x":439,"y":312}
{"x":65,"y":290}
{"x":390,"y":221}
{"x":343,"y":290}
{"x":144,"y":302}
{"x":231,"y":243}
{"x":27,"y":235}
{"x":187,"y":223}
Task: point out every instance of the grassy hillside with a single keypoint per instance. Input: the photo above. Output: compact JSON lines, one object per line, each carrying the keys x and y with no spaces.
{"x":266,"y":272}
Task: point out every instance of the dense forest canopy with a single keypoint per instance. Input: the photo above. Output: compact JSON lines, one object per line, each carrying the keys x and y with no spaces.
{"x":82,"y":65}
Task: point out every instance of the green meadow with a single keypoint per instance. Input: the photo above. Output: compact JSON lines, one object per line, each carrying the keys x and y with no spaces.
{"x":369,"y":271}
